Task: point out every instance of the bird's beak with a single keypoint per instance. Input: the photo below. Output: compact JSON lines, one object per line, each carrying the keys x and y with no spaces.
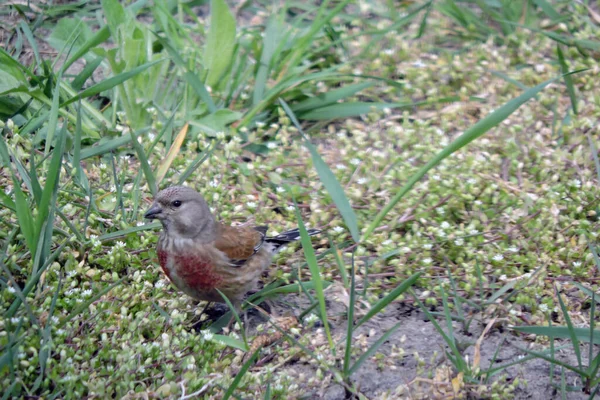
{"x":153,"y":212}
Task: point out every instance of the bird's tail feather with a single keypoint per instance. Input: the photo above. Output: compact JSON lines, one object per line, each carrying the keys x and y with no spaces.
{"x":284,"y":238}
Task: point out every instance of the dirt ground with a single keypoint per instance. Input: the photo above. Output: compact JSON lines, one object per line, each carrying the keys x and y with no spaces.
{"x":393,"y":377}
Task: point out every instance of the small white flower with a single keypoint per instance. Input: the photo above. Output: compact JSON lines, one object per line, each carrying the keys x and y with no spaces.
{"x":11,"y":289}
{"x":280,"y":189}
{"x":498,"y":257}
{"x":428,"y":246}
{"x":543,"y":308}
{"x":513,"y":249}
{"x":471,"y":181}
{"x":341,"y":167}
{"x":513,"y":312}
{"x":478,"y":202}
{"x":445,"y":225}
{"x":71,"y":273}
{"x":311,"y":318}
{"x":87,"y":292}
{"x":220,"y":135}
{"x":362,"y":181}
{"x":214,"y":183}
{"x":290,"y":208}
{"x":338,"y":229}
{"x":387,"y":242}
{"x":473,"y":232}
{"x":341,"y":135}
{"x":272,"y":145}
{"x":151,"y":136}
{"x":436,"y":177}
{"x":459,"y":241}
{"x":440,"y":211}
{"x":120,"y":245}
{"x":141,"y":223}
{"x":418,"y":64}
{"x":15,"y":320}
{"x":260,"y":124}
{"x":427,"y":261}
{"x":160,"y":284}
{"x":55,"y":319}
{"x":388,"y":52}
{"x":577,"y":264}
{"x":251,"y":204}
{"x":355,"y":161}
{"x":207,"y":335}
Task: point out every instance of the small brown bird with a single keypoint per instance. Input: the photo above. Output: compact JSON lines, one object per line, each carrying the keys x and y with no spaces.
{"x":200,"y":255}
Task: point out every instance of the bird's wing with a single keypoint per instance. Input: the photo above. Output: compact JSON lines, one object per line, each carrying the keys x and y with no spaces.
{"x":239,"y":242}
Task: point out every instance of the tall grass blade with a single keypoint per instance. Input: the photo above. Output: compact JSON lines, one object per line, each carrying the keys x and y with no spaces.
{"x":329,"y":180}
{"x":111,"y":82}
{"x":381,"y":304}
{"x":470,"y":134}
{"x":311,"y":260}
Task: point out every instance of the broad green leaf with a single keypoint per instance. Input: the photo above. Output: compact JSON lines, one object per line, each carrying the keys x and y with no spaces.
{"x":270,"y":39}
{"x":115,"y":15}
{"x":218,"y":121}
{"x":219,"y":42}
{"x":65,"y":29}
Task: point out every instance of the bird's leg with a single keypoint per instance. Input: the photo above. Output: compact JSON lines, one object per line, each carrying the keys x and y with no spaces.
{"x":237,"y":309}
{"x":199,"y":321}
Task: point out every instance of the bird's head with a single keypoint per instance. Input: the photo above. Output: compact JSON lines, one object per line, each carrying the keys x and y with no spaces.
{"x":183,"y":213}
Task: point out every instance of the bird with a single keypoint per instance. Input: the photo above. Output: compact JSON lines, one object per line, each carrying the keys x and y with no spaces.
{"x":203,"y":257}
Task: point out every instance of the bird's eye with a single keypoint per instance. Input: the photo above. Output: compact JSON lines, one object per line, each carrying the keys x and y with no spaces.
{"x":176,"y":203}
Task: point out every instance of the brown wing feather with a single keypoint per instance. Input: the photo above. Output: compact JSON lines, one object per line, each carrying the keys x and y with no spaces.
{"x":238,"y":243}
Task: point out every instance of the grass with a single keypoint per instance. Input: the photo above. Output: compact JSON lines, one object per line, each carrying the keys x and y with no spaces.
{"x":446,"y":149}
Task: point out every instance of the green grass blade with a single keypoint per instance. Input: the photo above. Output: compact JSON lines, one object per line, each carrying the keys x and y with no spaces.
{"x":567,"y":78}
{"x":238,"y":378}
{"x":350,"y":327}
{"x":52,"y":182}
{"x":329,"y":180}
{"x":470,"y":134}
{"x":197,"y":162}
{"x":269,"y":46}
{"x":111,"y":82}
{"x":381,"y":304}
{"x":330,"y":97}
{"x":145,"y":165}
{"x":560,"y":332}
{"x":191,"y":78}
{"x":571,"y":327}
{"x":311,"y":260}
{"x":53,"y":119}
{"x":99,"y":37}
{"x":372,"y":349}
